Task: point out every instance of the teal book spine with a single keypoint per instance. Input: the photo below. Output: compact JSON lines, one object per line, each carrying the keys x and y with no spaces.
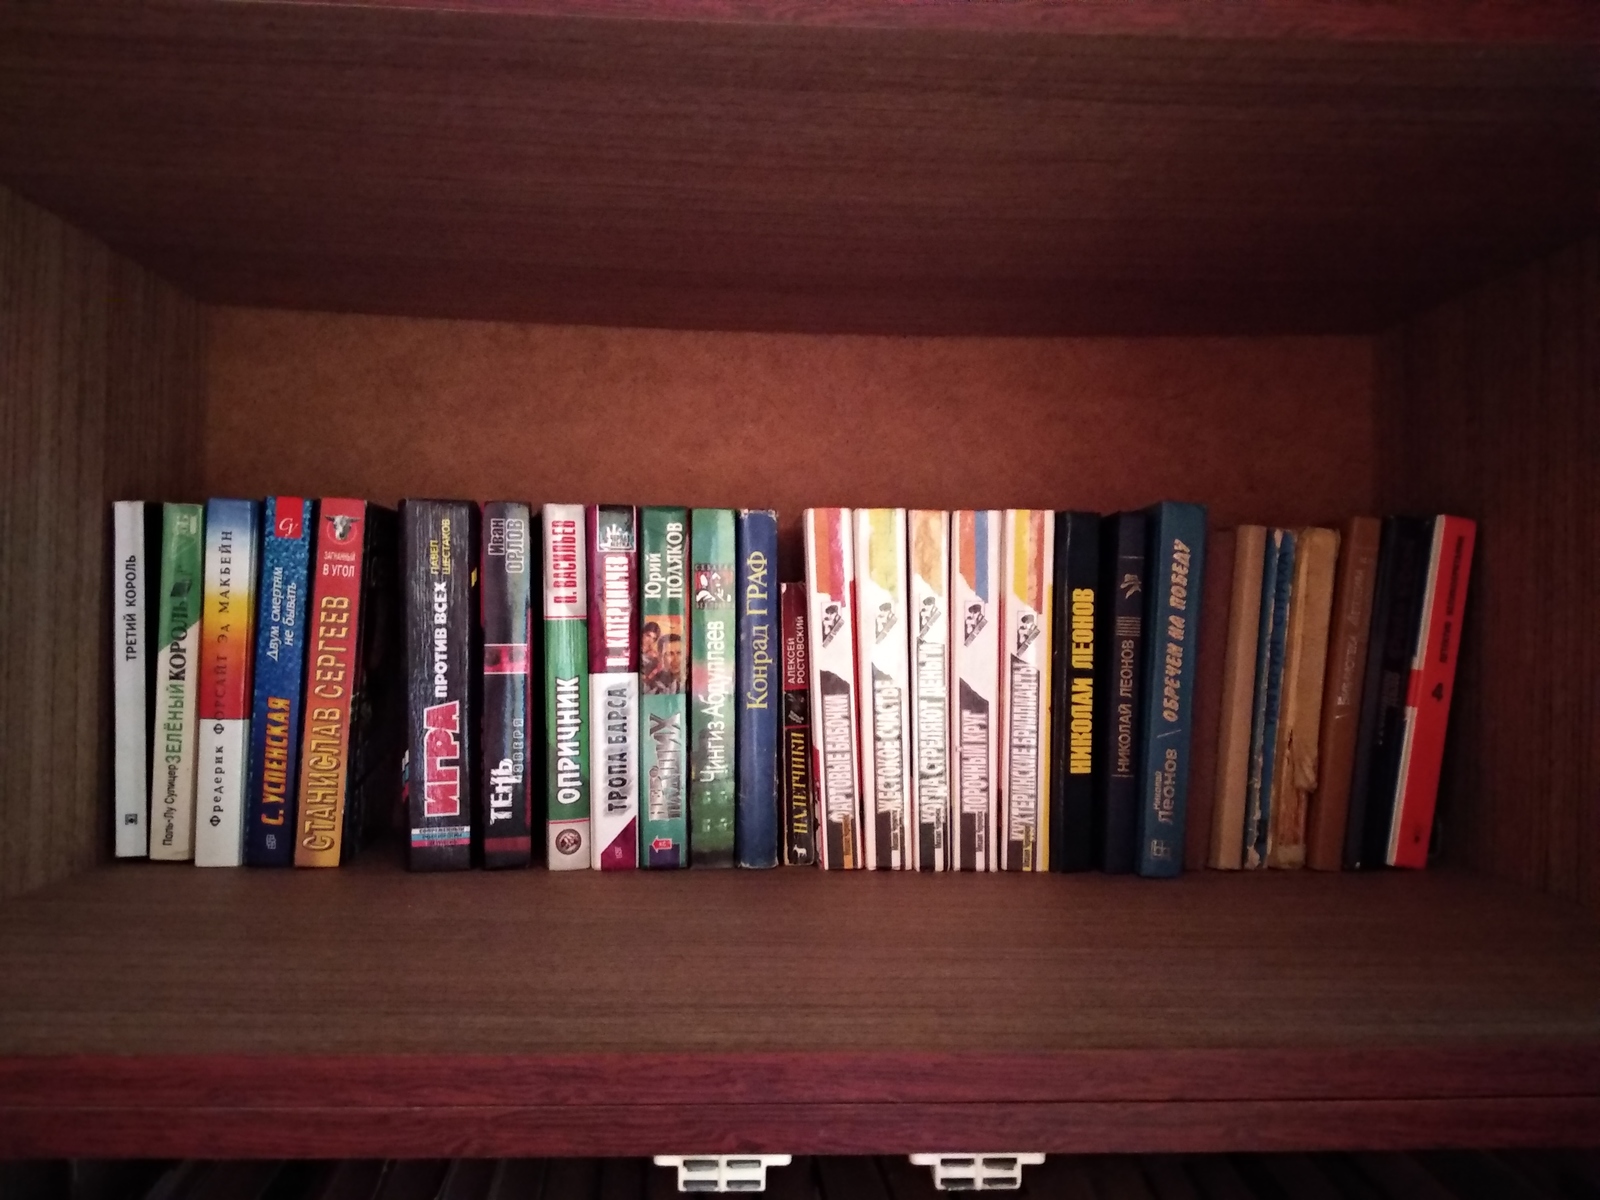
{"x":1176,"y":568}
{"x":663,"y":688}
{"x":1277,"y":584}
{"x":712,"y":687}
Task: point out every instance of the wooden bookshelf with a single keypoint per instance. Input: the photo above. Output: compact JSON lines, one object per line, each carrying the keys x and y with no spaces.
{"x":1294,"y":260}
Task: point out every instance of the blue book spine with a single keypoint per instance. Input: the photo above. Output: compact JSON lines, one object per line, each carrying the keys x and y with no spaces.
{"x":275,"y":713}
{"x":756,"y":726}
{"x":1275,"y":595}
{"x":1176,"y":569}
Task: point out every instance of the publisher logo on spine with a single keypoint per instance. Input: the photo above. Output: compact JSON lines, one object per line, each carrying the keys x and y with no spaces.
{"x":883,"y":621}
{"x":711,"y":588}
{"x":1027,"y":631}
{"x":343,"y":526}
{"x":832,"y":622}
{"x":973,"y":623}
{"x":568,"y":842}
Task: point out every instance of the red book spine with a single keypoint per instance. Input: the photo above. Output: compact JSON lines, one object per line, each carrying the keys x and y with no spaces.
{"x":1428,"y":690}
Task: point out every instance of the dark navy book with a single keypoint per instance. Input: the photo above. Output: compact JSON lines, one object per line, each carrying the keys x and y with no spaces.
{"x":758,"y":663}
{"x":1122,"y":600}
{"x":1072,"y":704}
{"x":1176,"y":567}
{"x":280,"y":662}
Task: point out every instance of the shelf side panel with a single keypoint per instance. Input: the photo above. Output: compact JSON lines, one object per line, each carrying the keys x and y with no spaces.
{"x":99,"y":400}
{"x":1491,"y":409}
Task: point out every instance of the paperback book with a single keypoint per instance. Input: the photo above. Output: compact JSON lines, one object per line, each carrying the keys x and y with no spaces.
{"x":663,"y":680}
{"x":1121,"y":691}
{"x":975,"y":625}
{"x":1277,"y":589}
{"x":928,"y":534}
{"x":712,"y":723}
{"x":1028,"y":572}
{"x":760,"y":690}
{"x":830,"y":629}
{"x":135,"y":543}
{"x":1238,"y":699}
{"x":506,"y":584}
{"x":883,"y":671}
{"x":613,"y":687}
{"x":799,"y":845}
{"x":1072,"y":690}
{"x":566,"y":688}
{"x":172,"y":766}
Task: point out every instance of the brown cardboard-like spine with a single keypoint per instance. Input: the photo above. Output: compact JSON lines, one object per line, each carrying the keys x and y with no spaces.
{"x":1341,"y":692}
{"x":1214,"y":615}
{"x":1238,"y":695}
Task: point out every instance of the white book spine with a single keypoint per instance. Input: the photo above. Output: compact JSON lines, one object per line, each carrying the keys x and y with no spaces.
{"x":928,"y":542}
{"x":130,"y":643}
{"x":884,"y":676}
{"x":830,"y":629}
{"x":975,"y":671}
{"x":1024,"y":843}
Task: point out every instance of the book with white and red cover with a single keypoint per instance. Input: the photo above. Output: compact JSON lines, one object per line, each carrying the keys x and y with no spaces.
{"x":884,"y":677}
{"x":830,"y":588}
{"x":613,"y":543}
{"x":928,"y":540}
{"x":975,"y":622}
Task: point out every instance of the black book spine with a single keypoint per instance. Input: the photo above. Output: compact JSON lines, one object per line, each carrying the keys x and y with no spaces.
{"x":1122,"y":595}
{"x":1073,"y":716}
{"x":438,"y":541}
{"x":506,"y":586}
{"x":377,"y":705}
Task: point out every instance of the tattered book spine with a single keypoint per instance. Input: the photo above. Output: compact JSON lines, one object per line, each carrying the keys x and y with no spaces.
{"x":1029,"y":574}
{"x":712,"y":720}
{"x":663,"y":687}
{"x":975,"y":622}
{"x":928,"y":537}
{"x":227,"y":638}
{"x":756,"y":720}
{"x":799,"y":842}
{"x":566,"y":688}
{"x":172,"y":760}
{"x":1072,"y":691}
{"x":506,"y":580}
{"x":131,"y":654}
{"x":830,"y":590}
{"x":1277,"y":589}
{"x":613,"y":687}
{"x":883,"y":673}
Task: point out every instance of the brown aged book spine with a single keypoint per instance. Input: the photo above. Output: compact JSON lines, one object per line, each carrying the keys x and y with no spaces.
{"x":1341,"y":692}
{"x":1305,"y":659}
{"x":1214,"y":609}
{"x":1238,"y":693}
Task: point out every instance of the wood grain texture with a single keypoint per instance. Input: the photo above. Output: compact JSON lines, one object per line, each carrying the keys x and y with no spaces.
{"x":99,"y":400}
{"x":1491,"y":409}
{"x":1259,"y":168}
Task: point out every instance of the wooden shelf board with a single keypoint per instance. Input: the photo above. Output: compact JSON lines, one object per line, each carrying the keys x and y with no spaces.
{"x":615,"y":1014}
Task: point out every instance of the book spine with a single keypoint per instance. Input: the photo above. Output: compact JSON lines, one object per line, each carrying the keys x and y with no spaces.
{"x":799,"y":843}
{"x":227,"y":638}
{"x":1341,"y":692}
{"x":130,"y":650}
{"x":1122,"y":591}
{"x":172,"y":766}
{"x":663,"y":684}
{"x":1209,"y":663}
{"x":1177,"y":569}
{"x":566,"y":688}
{"x":975,"y":621}
{"x":280,"y":659}
{"x":378,"y":703}
{"x":1305,"y":657}
{"x":830,"y":626}
{"x":883,"y":674}
{"x":332,"y":642}
{"x":928,"y":536}
{"x":712,"y":722}
{"x":756,"y":779}
{"x":1277,"y":580}
{"x":1428,"y":690}
{"x":1028,"y":573}
{"x":1072,"y":691}
{"x":1238,"y":699}
{"x":507,"y":614}
{"x":613,"y":543}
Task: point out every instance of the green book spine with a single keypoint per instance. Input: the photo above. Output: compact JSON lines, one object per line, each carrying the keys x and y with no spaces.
{"x":663,"y":680}
{"x":711,"y":720}
{"x":566,"y":688}
{"x":177,"y":683}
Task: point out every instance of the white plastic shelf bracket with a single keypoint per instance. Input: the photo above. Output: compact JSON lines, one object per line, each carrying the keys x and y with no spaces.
{"x":977,"y":1172}
{"x":722,"y":1172}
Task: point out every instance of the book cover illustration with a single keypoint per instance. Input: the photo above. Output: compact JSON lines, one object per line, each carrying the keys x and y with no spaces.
{"x":135,"y":540}
{"x":1122,"y":598}
{"x":712,"y":721}
{"x":227,"y":639}
{"x":975,"y":626}
{"x":883,"y":673}
{"x":566,"y":688}
{"x":760,"y":690}
{"x":1072,"y":690}
{"x":663,"y":687}
{"x":1277,"y":590}
{"x":172,"y":758}
{"x":799,"y":844}
{"x":1028,"y":571}
{"x":1238,"y":699}
{"x":613,"y":687}
{"x":506,"y":590}
{"x":928,"y":536}
{"x":830,"y":626}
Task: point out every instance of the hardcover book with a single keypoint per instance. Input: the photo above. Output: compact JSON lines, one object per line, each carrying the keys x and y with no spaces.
{"x":566,"y":688}
{"x":438,"y":547}
{"x":1122,"y":598}
{"x":374,"y":794}
{"x":712,"y":723}
{"x":1209,"y":667}
{"x":135,"y":540}
{"x":613,"y":686}
{"x":1072,"y":691}
{"x":663,"y":686}
{"x":1428,"y":690}
{"x":1025,"y":602}
{"x":506,"y":583}
{"x":799,"y":844}
{"x":830,"y":628}
{"x":756,"y":722}
{"x":1238,"y":699}
{"x":172,"y":759}
{"x":975,"y":624}
{"x":227,"y":637}
{"x":280,"y":662}
{"x":1277,"y":585}
{"x":928,"y":534}
{"x":883,"y":671}
{"x":1172,"y":615}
